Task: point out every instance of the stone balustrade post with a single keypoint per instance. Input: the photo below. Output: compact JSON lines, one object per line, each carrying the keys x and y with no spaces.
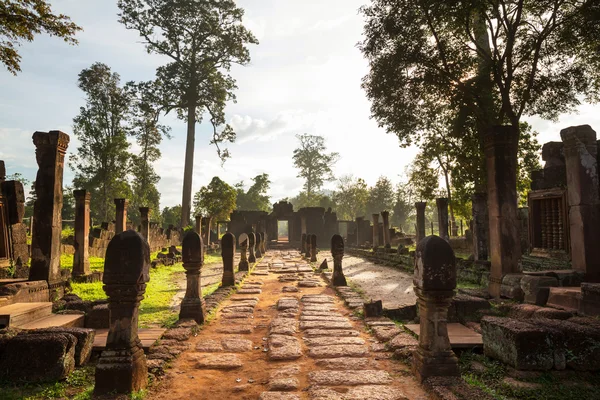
{"x":192,"y":255}
{"x":228,"y":255}
{"x":420,"y":206}
{"x":145,"y":223}
{"x":121,"y":215}
{"x":376,"y":243}
{"x":251,"y":245}
{"x":243,"y":242}
{"x":337,"y":252}
{"x":442,"y":208}
{"x":385,"y":216}
{"x":81,"y":261}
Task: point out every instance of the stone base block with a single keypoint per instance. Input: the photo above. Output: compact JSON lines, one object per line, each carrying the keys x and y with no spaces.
{"x":121,"y":372}
{"x":243,"y":266}
{"x":590,"y":299}
{"x":91,"y":278}
{"x":426,"y":364}
{"x":98,"y":317}
{"x":467,"y":308}
{"x":536,"y":289}
{"x":193,"y":309}
{"x":85,"y":341}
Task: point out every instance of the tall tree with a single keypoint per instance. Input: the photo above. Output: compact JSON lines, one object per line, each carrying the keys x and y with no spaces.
{"x":148,"y":133}
{"x":215,"y":201}
{"x":202,"y":40}
{"x":171,"y":216}
{"x":351,"y":197}
{"x":21,"y":20}
{"x":403,"y":208}
{"x":101,"y":163}
{"x":381,"y":196}
{"x":313,"y":162}
{"x":256,"y":198}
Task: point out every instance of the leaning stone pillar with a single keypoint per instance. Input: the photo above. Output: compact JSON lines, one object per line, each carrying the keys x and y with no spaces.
{"x":501,"y":164}
{"x":385,"y":215}
{"x":480,"y":226}
{"x":121,"y":214}
{"x":258,"y":250}
{"x":303,"y":244}
{"x":228,"y":255}
{"x":145,"y":224}
{"x":81,"y":262}
{"x":243,"y":241}
{"x":420,"y":206}
{"x":434,"y":282}
{"x":337,"y":252}
{"x":376,"y":231}
{"x":192,"y":254}
{"x":45,"y":242}
{"x":251,"y":245}
{"x":122,"y":365}
{"x":442,"y":209}
{"x":580,"y":150}
{"x":199,"y":225}
{"x":313,"y":248}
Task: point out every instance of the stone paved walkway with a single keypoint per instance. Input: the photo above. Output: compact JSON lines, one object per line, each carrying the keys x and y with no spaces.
{"x":286,"y":335}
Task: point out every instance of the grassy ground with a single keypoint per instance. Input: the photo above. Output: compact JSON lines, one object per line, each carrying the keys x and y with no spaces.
{"x":78,"y":386}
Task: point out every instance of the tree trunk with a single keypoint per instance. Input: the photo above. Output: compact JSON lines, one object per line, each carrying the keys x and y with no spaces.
{"x":188,"y":172}
{"x":449,"y":194}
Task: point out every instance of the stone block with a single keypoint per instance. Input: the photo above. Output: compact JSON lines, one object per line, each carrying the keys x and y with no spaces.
{"x":536,"y":288}
{"x":511,"y":287}
{"x":467,"y":308}
{"x":590,"y":299}
{"x":98,"y":317}
{"x":85,"y":341}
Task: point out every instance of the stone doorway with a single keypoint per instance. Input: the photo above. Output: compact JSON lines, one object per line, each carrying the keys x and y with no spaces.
{"x":283,"y":231}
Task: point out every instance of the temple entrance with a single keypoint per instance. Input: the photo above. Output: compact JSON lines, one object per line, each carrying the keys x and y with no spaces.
{"x":283,"y":231}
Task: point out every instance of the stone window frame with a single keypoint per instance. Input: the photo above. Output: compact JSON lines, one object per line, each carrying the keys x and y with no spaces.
{"x":534,"y":211}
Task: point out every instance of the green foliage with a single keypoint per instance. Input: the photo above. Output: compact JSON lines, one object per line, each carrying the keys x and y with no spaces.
{"x":423,"y":180}
{"x":68,"y":210}
{"x":171,"y":216}
{"x":217,"y":200}
{"x":255,"y":199}
{"x":77,"y":386}
{"x":313,"y":163}
{"x":21,"y":20}
{"x":303,"y":199}
{"x":381,"y":196}
{"x":403,"y":210}
{"x":101,"y":161}
{"x":351,"y":198}
{"x":66,"y":260}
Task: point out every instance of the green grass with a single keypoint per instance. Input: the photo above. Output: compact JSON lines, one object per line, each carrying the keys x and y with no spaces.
{"x":96,"y":263}
{"x":78,"y":386}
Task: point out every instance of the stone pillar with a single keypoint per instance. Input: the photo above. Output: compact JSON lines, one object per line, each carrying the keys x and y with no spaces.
{"x":501,"y":164}
{"x":121,"y":214}
{"x":337,"y":252}
{"x":45,"y":242}
{"x":376,"y":243}
{"x":192,"y":255}
{"x":228,"y":255}
{"x":303,"y":243}
{"x":359,"y":233}
{"x":243,"y":241}
{"x":480,"y":226}
{"x":420,"y":206}
{"x":81,"y":262}
{"x":442,"y":209}
{"x":303,"y":224}
{"x":264,"y":242}
{"x":145,"y":224}
{"x":258,"y":250}
{"x":434,"y":283}
{"x":199,"y":225}
{"x":122,"y":365}
{"x":385,"y":215}
{"x":251,"y":245}
{"x":583,"y":199}
{"x":313,"y":248}
{"x":308,"y":247}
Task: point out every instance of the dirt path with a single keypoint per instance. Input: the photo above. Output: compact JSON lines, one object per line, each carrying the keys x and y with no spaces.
{"x":285,"y":335}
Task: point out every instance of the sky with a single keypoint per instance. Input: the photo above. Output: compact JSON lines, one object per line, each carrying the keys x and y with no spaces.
{"x":304,"y":77}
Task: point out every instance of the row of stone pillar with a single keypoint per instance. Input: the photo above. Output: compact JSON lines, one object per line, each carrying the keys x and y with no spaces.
{"x":308,"y":246}
{"x":442,"y":211}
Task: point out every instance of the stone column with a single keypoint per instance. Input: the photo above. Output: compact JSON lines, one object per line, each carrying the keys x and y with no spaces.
{"x":480,"y":226}
{"x":359,"y":233}
{"x":580,"y":150}
{"x":81,"y":262}
{"x":303,"y":224}
{"x":442,"y":209}
{"x":264,"y":242}
{"x":199,"y":225}
{"x":376,"y":231}
{"x":258,"y":250}
{"x":243,"y":241}
{"x":501,"y":164}
{"x":385,"y":215}
{"x":145,"y":224}
{"x":313,"y":248}
{"x":337,"y":252}
{"x":121,"y":213}
{"x":420,"y":220}
{"x":251,"y":244}
{"x":122,"y":365}
{"x":303,"y":244}
{"x":45,"y":242}
{"x":228,"y":255}
{"x":192,"y":255}
{"x":434,"y":282}
{"x":308,"y":247}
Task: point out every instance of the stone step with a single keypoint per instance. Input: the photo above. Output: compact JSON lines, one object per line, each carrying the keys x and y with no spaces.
{"x":566,"y":298}
{"x":18,"y":314}
{"x":62,"y":320}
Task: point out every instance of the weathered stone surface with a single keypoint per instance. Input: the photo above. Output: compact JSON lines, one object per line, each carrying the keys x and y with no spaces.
{"x":349,"y":378}
{"x":278,"y":396}
{"x":319,"y":307}
{"x":289,"y":289}
{"x":284,"y":384}
{"x":236,"y":345}
{"x":286,"y":303}
{"x":236,"y":329}
{"x":285,"y":372}
{"x":325,"y":325}
{"x":330,"y":332}
{"x":249,"y":291}
{"x":179,"y":334}
{"x":317,"y":299}
{"x":209,"y":346}
{"x":357,"y":393}
{"x":336,"y":351}
{"x":322,"y":313}
{"x":401,"y":341}
{"x":237,"y":310}
{"x":343,"y":363}
{"x":305,"y":317}
{"x":244,"y":298}
{"x":330,"y":341}
{"x":283,"y":326}
{"x":85,"y":341}
{"x":284,"y":347}
{"x":385,"y":333}
{"x":217,"y":361}
{"x":236,"y":315}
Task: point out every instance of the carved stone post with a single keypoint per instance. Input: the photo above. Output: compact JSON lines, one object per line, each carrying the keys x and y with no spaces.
{"x":480,"y":226}
{"x":303,"y":224}
{"x":81,"y":262}
{"x":442,"y":208}
{"x":192,"y":254}
{"x":45,"y":242}
{"x":337,"y":252}
{"x":501,"y":164}
{"x":251,"y":245}
{"x":583,"y":199}
{"x":359,"y":233}
{"x":308,"y":246}
{"x":303,"y":244}
{"x":243,"y":241}
{"x":420,"y":206}
{"x":122,"y":365}
{"x":199,"y":225}
{"x":376,"y":231}
{"x":434,"y":282}
{"x":121,"y":213}
{"x":145,"y":226}
{"x":264,"y":242}
{"x":258,"y":250}
{"x":228,"y":255}
{"x":313,"y":248}
{"x":385,"y":216}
